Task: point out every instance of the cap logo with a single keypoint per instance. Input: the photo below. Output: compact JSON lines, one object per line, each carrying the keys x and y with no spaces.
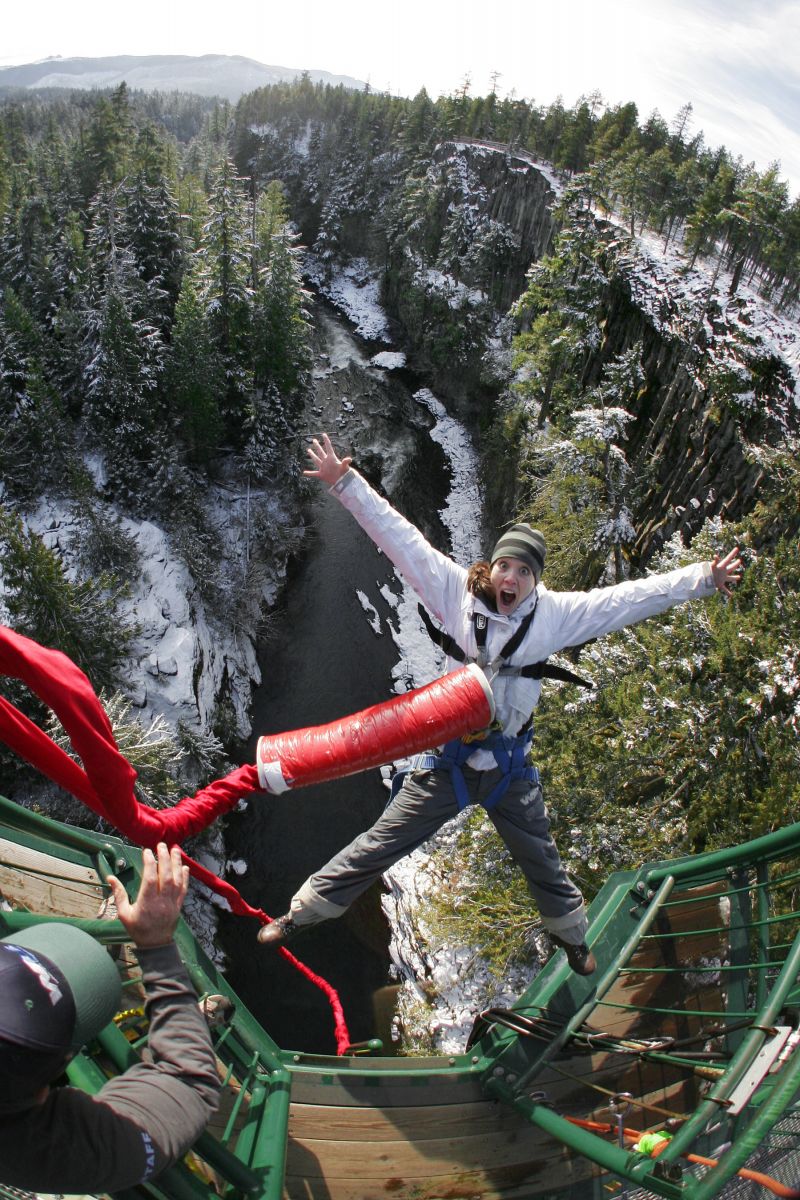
{"x":37,"y":968}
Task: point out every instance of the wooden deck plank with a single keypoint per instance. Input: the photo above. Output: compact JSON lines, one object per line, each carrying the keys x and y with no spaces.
{"x":378,"y":1124}
{"x":514,"y":1182}
{"x":23,"y":858}
{"x":421,"y":1159}
{"x":338,"y":1091}
{"x":49,"y":896}
{"x":43,"y":883}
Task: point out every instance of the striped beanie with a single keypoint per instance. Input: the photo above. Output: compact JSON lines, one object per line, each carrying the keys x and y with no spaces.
{"x":523,"y":542}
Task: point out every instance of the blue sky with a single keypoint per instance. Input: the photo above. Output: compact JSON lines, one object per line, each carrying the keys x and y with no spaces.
{"x":737,"y":61}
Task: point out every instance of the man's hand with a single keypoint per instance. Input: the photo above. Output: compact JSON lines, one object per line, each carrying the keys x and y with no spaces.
{"x":152,"y":917}
{"x":328,"y":467}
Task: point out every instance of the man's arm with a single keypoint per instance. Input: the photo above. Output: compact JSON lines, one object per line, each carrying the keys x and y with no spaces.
{"x":171,"y":1097}
{"x":140,"y":1122}
{"x":169,"y":1100}
{"x":145,"y":1119}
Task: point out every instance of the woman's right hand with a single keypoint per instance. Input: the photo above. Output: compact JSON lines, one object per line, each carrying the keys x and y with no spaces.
{"x":328,"y":467}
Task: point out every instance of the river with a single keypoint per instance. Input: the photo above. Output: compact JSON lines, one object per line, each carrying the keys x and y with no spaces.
{"x":329,"y":653}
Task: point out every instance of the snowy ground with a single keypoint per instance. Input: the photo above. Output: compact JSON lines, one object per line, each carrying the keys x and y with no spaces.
{"x":180,"y":656}
{"x":354,"y":291}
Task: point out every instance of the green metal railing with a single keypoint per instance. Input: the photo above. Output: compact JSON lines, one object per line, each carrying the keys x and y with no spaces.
{"x":247,"y":1158}
{"x":699,"y":962}
{"x":755,"y":979}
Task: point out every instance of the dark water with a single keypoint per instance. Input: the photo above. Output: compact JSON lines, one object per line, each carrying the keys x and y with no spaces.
{"x":322,"y":661}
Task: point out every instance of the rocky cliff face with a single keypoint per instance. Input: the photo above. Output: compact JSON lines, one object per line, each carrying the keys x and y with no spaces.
{"x":451,"y":245}
{"x":508,"y":192}
{"x":721,"y":392}
{"x":458,"y":254}
{"x":722,"y":373}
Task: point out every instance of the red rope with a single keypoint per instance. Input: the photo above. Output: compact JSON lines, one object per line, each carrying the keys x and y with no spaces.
{"x":106,"y":783}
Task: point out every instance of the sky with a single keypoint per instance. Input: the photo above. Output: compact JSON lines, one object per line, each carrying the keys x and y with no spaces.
{"x":736,"y":61}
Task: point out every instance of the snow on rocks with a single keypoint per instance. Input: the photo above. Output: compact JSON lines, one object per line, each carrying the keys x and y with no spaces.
{"x":464,"y":503}
{"x":183,"y":659}
{"x":666,"y":287}
{"x":373,"y":615}
{"x":444,"y":985}
{"x":180,"y":657}
{"x":355,"y":291}
{"x":388,"y":360}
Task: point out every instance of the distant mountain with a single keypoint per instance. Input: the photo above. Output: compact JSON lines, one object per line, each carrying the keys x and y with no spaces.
{"x":227,"y":75}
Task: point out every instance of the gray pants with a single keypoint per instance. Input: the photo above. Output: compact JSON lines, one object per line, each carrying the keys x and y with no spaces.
{"x":424,"y":803}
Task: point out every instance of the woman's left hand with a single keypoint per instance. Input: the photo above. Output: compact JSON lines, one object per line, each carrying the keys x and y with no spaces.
{"x":726,"y":571}
{"x":328,"y":467}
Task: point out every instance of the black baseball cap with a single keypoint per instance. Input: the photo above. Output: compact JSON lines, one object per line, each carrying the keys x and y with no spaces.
{"x":58,"y":988}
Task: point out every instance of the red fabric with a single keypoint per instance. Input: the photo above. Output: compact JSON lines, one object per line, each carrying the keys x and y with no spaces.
{"x":429,"y":716}
{"x":106,"y":784}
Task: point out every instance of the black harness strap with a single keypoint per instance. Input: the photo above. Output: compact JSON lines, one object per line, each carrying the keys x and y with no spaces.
{"x":546,"y":670}
{"x":539,"y":670}
{"x":443,"y":639}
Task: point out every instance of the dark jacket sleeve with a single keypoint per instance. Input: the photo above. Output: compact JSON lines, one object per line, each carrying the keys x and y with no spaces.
{"x":139,"y":1122}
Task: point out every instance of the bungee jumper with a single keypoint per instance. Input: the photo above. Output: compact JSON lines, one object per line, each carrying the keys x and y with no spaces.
{"x":499,"y":615}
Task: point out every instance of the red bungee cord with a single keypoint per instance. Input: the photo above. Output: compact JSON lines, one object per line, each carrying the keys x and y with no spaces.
{"x":447,"y":708}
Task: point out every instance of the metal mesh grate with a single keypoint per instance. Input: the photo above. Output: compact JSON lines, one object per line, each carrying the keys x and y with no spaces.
{"x":778,"y":1156}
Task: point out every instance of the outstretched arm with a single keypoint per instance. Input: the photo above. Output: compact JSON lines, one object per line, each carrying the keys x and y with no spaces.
{"x":572,"y":618}
{"x":436,"y":579}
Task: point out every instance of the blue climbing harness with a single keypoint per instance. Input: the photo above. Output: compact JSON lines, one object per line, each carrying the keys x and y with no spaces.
{"x":510,"y":754}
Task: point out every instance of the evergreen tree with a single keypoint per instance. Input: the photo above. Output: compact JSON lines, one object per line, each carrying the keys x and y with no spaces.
{"x":613,"y":130}
{"x":227,"y":260}
{"x":195,"y":377}
{"x":630,"y":182}
{"x":752,"y":219}
{"x":704,"y":222}
{"x":558,"y":316}
{"x":152,"y":229}
{"x":280,"y":329}
{"x":104,"y":157}
{"x":123,"y":376}
{"x":573,"y":149}
{"x":79,"y":618}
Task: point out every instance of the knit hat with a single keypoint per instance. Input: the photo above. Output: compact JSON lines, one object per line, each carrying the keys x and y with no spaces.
{"x":523,"y":542}
{"x":58,"y":988}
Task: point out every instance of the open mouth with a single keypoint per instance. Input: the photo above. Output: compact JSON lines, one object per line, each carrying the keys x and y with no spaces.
{"x":507,"y":598}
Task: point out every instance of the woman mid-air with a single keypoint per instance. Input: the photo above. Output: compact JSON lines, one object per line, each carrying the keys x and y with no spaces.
{"x":499,"y":614}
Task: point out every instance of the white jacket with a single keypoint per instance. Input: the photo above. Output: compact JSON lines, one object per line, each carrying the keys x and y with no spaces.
{"x":562,"y":618}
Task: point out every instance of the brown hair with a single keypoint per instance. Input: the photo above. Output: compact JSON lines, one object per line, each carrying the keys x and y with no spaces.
{"x":479,"y":582}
